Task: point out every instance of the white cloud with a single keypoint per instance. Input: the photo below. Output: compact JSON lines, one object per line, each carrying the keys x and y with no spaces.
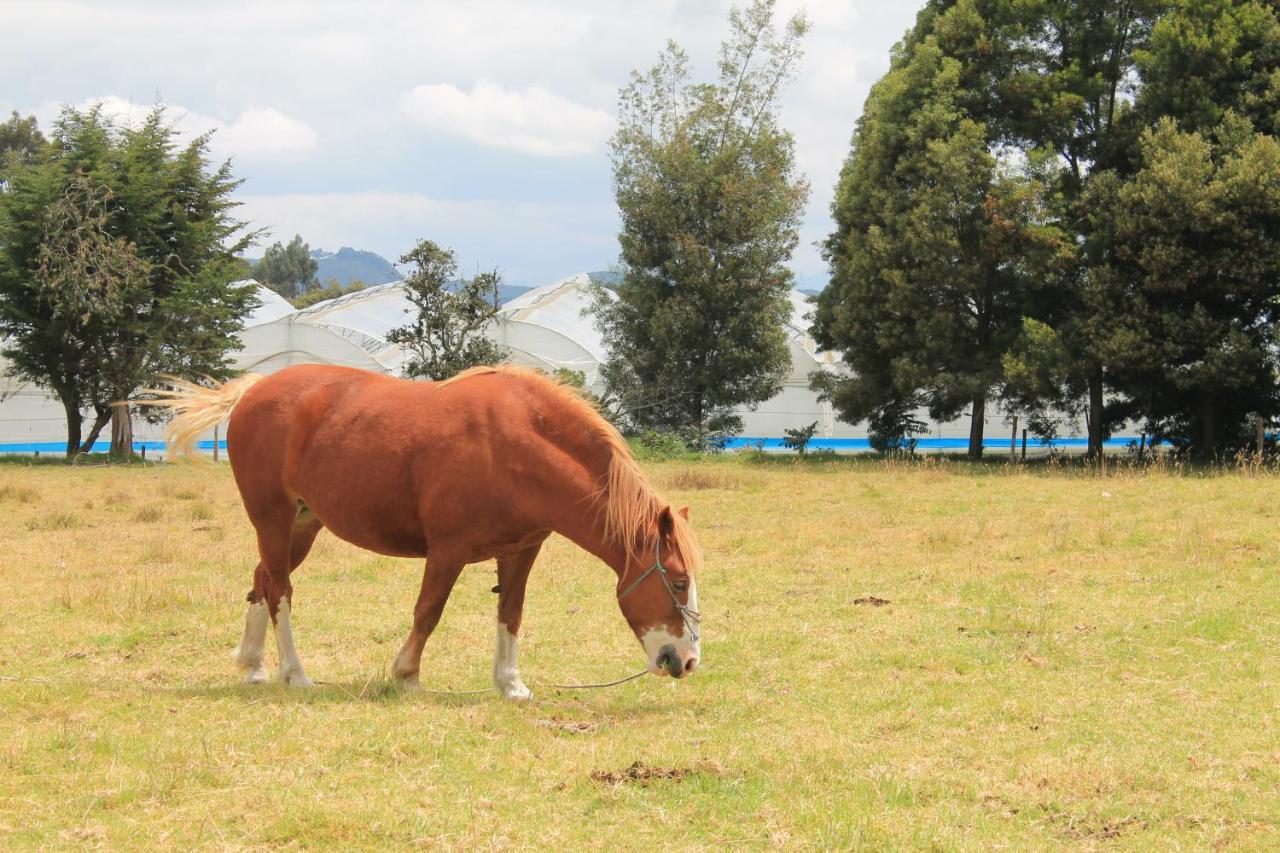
{"x":534,"y":120}
{"x":267,"y":132}
{"x":255,"y":133}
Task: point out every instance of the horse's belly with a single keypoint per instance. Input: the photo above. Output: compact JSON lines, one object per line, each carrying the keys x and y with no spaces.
{"x":366,"y":503}
{"x":372,"y":529}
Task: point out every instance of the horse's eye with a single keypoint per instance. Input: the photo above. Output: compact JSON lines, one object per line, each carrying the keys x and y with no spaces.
{"x":682,"y":586}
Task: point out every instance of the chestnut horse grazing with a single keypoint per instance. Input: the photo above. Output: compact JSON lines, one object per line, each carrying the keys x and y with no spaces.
{"x":483,"y":466}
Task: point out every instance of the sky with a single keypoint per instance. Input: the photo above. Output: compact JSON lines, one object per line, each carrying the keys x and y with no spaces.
{"x":480,"y":125}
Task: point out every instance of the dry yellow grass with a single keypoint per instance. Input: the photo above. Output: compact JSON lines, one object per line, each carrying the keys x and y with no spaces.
{"x":1065,"y":661}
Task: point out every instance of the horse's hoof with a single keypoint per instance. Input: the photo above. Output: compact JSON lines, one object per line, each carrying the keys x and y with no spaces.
{"x":257,"y":676}
{"x":516,"y":692}
{"x":296,"y":679}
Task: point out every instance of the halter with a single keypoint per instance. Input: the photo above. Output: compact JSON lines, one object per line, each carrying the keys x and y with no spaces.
{"x":692,"y":618}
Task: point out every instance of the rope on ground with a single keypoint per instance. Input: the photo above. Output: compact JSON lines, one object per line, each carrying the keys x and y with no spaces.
{"x":602,"y":684}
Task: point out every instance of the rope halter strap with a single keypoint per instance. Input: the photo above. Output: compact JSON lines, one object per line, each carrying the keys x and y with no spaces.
{"x":692,"y":618}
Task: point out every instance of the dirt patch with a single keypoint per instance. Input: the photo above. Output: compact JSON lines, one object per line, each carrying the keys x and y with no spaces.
{"x":568,"y":726}
{"x":642,"y":774}
{"x":1086,"y":829}
{"x":872,"y":601}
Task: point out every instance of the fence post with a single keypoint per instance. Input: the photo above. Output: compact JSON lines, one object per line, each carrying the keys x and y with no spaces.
{"x":1013,"y":441}
{"x":215,"y":442}
{"x":1262,"y":434}
{"x":1024,"y":445}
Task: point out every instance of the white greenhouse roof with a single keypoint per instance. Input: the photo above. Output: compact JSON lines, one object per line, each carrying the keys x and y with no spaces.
{"x":374,"y":311}
{"x":273,"y":307}
{"x":559,"y":307}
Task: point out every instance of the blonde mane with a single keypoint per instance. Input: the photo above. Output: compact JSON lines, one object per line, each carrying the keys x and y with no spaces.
{"x":627,"y":502}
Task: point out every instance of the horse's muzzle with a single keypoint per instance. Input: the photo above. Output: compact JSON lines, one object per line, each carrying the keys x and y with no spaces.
{"x":669,"y":659}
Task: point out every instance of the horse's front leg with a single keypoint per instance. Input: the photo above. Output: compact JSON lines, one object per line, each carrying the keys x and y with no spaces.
{"x":438,"y":579}
{"x":513,"y":574}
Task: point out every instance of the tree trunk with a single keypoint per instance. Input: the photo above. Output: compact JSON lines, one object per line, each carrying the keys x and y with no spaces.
{"x":977,"y":423}
{"x":1096,"y":417}
{"x":121,"y":432}
{"x":103,"y":416}
{"x":74,"y":422}
{"x":1208,"y":427}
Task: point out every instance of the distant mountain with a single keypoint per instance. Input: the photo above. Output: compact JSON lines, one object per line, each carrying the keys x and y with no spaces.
{"x":609,"y":278}
{"x":348,"y":265}
{"x":507,"y":292}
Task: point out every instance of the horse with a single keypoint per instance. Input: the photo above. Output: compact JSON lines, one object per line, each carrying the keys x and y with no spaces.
{"x":485,"y":465}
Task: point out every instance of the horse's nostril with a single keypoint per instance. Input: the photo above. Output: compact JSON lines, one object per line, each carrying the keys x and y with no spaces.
{"x":690,"y":664}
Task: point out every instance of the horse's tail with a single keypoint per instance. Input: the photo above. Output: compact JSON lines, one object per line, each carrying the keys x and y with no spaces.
{"x":198,"y":408}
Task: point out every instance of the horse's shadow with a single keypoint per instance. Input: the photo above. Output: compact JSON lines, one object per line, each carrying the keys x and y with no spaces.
{"x":383,"y":690}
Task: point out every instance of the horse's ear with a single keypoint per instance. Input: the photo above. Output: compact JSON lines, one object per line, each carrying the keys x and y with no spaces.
{"x":684,"y":512}
{"x":666,"y":523}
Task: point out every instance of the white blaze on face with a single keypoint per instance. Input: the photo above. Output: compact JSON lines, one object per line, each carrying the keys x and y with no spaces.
{"x":654,"y":639}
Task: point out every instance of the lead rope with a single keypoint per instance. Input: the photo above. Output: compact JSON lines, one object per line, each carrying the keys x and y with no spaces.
{"x":593,"y":686}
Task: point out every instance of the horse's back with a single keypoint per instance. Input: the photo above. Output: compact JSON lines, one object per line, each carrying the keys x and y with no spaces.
{"x":368,"y":452}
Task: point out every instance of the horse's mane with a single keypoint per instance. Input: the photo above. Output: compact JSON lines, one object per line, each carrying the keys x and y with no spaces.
{"x":628,"y":503}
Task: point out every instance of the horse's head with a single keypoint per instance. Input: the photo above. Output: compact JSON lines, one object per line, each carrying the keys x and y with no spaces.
{"x":659,"y":597}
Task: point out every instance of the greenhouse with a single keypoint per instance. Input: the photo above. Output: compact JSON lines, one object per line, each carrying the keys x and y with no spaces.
{"x":545,"y":328}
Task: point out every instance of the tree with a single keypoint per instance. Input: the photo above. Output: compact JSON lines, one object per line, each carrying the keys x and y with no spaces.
{"x":705,"y":183}
{"x":1198,"y":233}
{"x":331,"y":290}
{"x":288,"y":270}
{"x":21,"y":143}
{"x":448,"y":333}
{"x":940,"y":247}
{"x":798,"y":439}
{"x":1069,"y":93}
{"x":115,"y":255}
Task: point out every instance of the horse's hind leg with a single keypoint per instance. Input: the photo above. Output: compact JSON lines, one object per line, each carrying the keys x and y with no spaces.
{"x":282,"y":548}
{"x":438,"y":579}
{"x":513,"y":573}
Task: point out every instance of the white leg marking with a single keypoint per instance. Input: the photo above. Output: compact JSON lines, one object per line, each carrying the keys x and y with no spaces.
{"x":399,"y":667}
{"x":250,"y":655}
{"x":290,"y":666}
{"x":506,"y":671}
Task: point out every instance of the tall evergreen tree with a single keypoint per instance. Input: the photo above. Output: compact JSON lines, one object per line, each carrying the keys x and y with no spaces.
{"x":77,"y":231}
{"x":705,"y":182}
{"x":1198,"y":235}
{"x":21,"y":143}
{"x":939,"y":247}
{"x":1069,"y":92}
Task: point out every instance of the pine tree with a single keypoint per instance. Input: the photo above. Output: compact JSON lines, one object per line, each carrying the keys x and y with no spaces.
{"x":940,"y":248}
{"x":705,"y":182}
{"x":115,"y":255}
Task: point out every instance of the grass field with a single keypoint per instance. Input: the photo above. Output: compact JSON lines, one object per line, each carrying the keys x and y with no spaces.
{"x":1065,"y":661}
